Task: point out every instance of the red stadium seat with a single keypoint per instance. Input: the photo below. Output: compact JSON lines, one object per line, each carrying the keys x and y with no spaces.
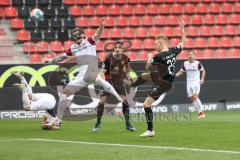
{"x":42,"y":47}
{"x":100,"y":46}
{"x":199,"y":54}
{"x":152,"y":9}
{"x":95,"y":21}
{"x":217,"y":30}
{"x":143,"y":55}
{"x":29,"y":47}
{"x":192,"y":31}
{"x":183,"y":55}
{"x":132,"y":1}
{"x":145,"y":1}
{"x":127,"y":10}
{"x":237,"y":7}
{"x":172,"y":20}
{"x":209,"y":19}
{"x":5,"y":3}
{"x":82,"y":2}
{"x":148,"y":43}
{"x":67,"y":44}
{"x":160,"y":20}
{"x":176,"y":8}
{"x":165,"y":9}
{"x":238,"y":30}
{"x":141,"y":32}
{"x":233,"y":53}
{"x":49,"y":55}
{"x":102,"y":56}
{"x":230,"y":30}
{"x":214,"y":8}
{"x":209,"y":53}
{"x":227,"y":8}
{"x":200,"y":43}
{"x":10,"y":12}
{"x":115,"y":33}
{"x":75,"y":11}
{"x":109,"y":22}
{"x":189,"y":8}
{"x":88,"y":10}
{"x":213,"y":42}
{"x":105,"y":34}
{"x":82,"y":22}
{"x":205,"y":31}
{"x":23,"y":35}
{"x":108,"y":2}
{"x":101,"y":10}
{"x":221,"y":53}
{"x":236,"y":41}
{"x":147,"y":21}
{"x":95,"y":2}
{"x":16,"y":23}
{"x":69,"y":2}
{"x":186,"y":19}
{"x":222,"y":19}
{"x":234,"y":19}
{"x":128,"y":33}
{"x":201,"y":8}
{"x":132,"y":55}
{"x":174,"y":42}
{"x":114,"y":10}
{"x":197,"y":20}
{"x":35,"y":58}
{"x":167,"y":31}
{"x":120,"y":2}
{"x":134,"y":21}
{"x":154,"y":31}
{"x":121,"y":21}
{"x":139,"y":9}
{"x":136,"y":44}
{"x":56,"y":46}
{"x":1,"y":13}
{"x":189,"y":43}
{"x":177,"y":31}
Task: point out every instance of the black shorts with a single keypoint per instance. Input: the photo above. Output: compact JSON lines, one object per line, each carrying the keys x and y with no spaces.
{"x":119,"y":87}
{"x":160,"y":86}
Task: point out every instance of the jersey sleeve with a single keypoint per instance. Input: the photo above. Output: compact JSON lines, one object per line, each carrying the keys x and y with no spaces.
{"x":200,"y":67}
{"x":91,"y":41}
{"x":177,"y":49}
{"x":183,"y":68}
{"x":155,"y":60}
{"x":106,"y":64}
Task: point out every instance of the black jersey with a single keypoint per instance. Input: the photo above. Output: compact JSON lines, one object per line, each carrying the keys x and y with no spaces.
{"x":167,"y":59}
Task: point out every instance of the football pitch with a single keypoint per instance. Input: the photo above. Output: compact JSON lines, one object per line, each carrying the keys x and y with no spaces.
{"x":215,"y":138}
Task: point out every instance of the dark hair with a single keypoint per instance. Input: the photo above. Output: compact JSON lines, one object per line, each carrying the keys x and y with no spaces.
{"x":80,"y":30}
{"x":118,"y":42}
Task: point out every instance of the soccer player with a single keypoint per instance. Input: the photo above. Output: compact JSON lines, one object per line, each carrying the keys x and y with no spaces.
{"x":115,"y":69}
{"x":36,"y":101}
{"x":164,"y":63}
{"x":84,"y":50}
{"x":192,"y":68}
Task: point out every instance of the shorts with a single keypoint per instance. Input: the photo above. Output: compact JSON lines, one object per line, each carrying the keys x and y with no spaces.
{"x":42,"y":101}
{"x":119,"y":87}
{"x":193,"y":89}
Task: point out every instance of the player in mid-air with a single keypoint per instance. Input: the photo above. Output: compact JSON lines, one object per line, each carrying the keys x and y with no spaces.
{"x":36,"y":101}
{"x":162,"y":78}
{"x":193,"y":70}
{"x":115,"y":69}
{"x":84,"y":50}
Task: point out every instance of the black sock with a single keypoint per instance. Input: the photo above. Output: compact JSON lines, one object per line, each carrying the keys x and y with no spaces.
{"x":138,"y":82}
{"x":100,"y":110}
{"x":149,"y":117}
{"x":51,"y":112}
{"x":125,"y":110}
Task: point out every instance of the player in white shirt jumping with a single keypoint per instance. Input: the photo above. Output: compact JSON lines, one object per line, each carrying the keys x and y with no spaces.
{"x":193,"y":68}
{"x":36,"y":101}
{"x":84,"y":50}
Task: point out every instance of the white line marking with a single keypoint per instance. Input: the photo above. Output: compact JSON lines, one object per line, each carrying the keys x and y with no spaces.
{"x":125,"y":145}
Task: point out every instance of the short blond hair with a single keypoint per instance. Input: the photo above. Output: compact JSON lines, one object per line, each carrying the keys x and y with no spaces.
{"x":161,"y":36}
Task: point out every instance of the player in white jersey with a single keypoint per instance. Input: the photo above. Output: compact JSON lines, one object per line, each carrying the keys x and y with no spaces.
{"x":193,"y":68}
{"x":36,"y":101}
{"x":84,"y":50}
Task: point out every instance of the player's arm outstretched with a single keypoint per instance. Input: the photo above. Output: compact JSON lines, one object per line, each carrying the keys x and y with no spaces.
{"x":55,"y":59}
{"x":182,"y":24}
{"x":99,"y":31}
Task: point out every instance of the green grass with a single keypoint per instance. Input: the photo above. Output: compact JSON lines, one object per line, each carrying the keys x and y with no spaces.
{"x":219,"y":131}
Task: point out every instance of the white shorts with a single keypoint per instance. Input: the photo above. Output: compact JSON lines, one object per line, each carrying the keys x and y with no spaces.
{"x":42,"y":101}
{"x":193,"y":89}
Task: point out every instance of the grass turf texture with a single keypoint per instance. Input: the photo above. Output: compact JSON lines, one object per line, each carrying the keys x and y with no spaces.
{"x":219,"y":131}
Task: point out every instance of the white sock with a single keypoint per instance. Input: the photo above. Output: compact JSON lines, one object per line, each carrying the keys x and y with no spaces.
{"x":29,"y":89}
{"x":63,"y":103}
{"x":196,"y":106}
{"x":26,"y":101}
{"x":199,"y":103}
{"x":108,"y":87}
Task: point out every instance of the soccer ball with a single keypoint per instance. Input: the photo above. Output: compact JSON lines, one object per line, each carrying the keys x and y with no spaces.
{"x":37,"y":14}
